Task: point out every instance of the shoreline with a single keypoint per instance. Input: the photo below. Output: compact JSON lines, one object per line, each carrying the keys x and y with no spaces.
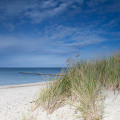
{"x":24,"y":85}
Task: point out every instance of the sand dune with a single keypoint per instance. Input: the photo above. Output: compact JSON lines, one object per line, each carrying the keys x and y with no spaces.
{"x":15,"y":104}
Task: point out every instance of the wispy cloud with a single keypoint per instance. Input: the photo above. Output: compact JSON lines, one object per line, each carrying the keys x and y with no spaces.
{"x":36,"y":10}
{"x":56,"y":40}
{"x":39,"y":10}
{"x":38,"y":15}
{"x":55,"y":28}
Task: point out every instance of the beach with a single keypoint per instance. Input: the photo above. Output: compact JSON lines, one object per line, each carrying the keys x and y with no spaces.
{"x":17,"y":102}
{"x":59,"y":59}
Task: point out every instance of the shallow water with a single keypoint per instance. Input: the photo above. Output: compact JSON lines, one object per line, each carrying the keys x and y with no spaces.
{"x":11,"y":76}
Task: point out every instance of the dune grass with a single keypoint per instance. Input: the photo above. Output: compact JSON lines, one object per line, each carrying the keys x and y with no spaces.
{"x":52,"y":97}
{"x":82,"y":84}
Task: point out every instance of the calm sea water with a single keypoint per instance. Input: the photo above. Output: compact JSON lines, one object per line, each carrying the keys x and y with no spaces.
{"x":11,"y":76}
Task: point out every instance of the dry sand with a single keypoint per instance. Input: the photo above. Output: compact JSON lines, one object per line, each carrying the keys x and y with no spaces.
{"x":15,"y":104}
{"x":15,"y":100}
{"x":112,"y":105}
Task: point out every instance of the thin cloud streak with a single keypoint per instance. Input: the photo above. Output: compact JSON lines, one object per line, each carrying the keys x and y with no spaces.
{"x":53,"y":41}
{"x":35,"y":10}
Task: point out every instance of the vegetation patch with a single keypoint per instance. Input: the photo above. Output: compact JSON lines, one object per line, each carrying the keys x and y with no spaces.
{"x":82,"y":84}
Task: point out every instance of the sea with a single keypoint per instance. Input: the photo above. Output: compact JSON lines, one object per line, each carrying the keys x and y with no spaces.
{"x":12,"y":76}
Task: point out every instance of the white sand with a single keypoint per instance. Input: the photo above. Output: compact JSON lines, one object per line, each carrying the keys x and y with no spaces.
{"x":64,"y":113}
{"x":112,"y":106}
{"x":15,"y":103}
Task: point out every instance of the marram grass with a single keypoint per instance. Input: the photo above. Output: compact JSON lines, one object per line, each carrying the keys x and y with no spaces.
{"x":82,"y":83}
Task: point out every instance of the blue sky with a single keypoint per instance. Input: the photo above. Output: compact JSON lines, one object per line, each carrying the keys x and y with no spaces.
{"x":44,"y":33}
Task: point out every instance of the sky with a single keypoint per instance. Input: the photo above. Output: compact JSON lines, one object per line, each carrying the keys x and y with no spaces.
{"x":44,"y":33}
